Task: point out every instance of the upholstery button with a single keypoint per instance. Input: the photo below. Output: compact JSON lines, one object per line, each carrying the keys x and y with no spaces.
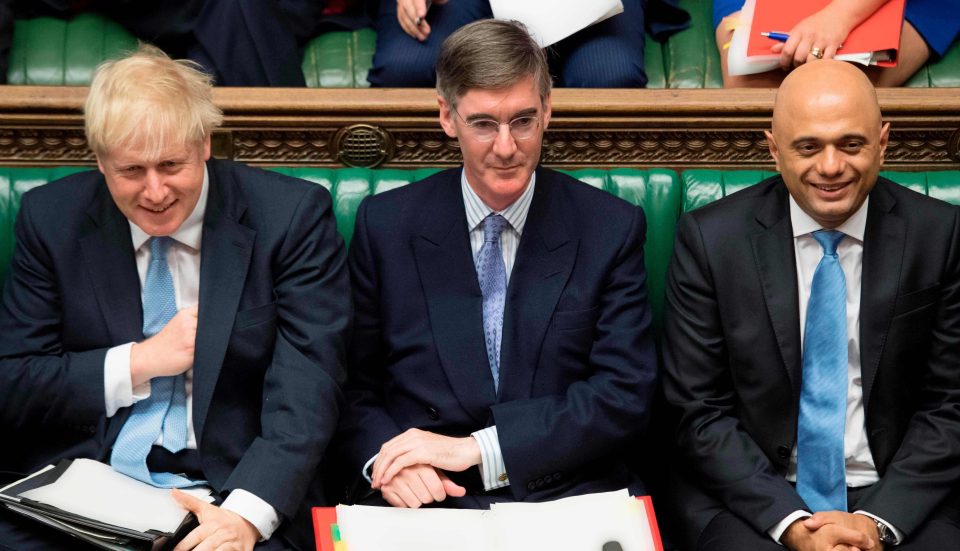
{"x":433,"y":414}
{"x":783,"y":452}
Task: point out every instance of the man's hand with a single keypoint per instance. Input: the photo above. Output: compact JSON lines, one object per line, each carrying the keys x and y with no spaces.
{"x":169,"y":352}
{"x":418,"y":447}
{"x":219,"y":529}
{"x":412,"y":16}
{"x":841,"y":535}
{"x":861,"y":523}
{"x":419,"y":485}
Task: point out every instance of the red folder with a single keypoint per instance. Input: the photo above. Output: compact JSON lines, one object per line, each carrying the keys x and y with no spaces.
{"x":879,"y":32}
{"x":324,"y":518}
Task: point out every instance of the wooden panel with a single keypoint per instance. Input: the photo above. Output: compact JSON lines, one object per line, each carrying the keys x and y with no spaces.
{"x":398,"y":128}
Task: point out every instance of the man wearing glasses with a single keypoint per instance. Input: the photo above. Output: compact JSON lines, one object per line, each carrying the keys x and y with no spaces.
{"x":502,"y":348}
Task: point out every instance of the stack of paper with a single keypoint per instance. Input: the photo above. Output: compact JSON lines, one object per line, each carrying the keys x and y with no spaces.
{"x":582,"y":523}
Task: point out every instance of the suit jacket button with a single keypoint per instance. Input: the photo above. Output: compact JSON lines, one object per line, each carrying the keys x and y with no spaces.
{"x":539,"y":482}
{"x":547,"y":479}
{"x":433,"y":414}
{"x":531,"y":486}
{"x":783,"y":452}
{"x":556,"y":477}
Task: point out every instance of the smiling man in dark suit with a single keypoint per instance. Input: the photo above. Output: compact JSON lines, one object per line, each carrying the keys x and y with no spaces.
{"x":177,"y":317}
{"x":813,"y":342}
{"x":502,"y":347}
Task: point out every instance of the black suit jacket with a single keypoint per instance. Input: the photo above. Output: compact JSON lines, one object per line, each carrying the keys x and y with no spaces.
{"x":268,"y":367}
{"x":578,"y":364}
{"x":733,"y":354}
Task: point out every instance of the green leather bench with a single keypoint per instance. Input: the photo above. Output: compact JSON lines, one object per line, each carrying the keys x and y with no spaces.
{"x":663,"y":194}
{"x":54,"y":52}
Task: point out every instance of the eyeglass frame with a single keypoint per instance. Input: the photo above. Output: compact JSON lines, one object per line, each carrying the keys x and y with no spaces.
{"x":473,"y":128}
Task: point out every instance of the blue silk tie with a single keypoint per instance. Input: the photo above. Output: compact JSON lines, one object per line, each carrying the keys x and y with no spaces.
{"x":165,"y":410}
{"x":821,"y":470}
{"x":492,"y":274}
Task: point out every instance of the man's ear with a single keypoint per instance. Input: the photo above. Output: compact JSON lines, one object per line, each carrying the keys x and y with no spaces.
{"x":100,"y":164}
{"x":446,"y":117}
{"x":884,"y":139}
{"x":547,"y":111}
{"x":206,"y":147}
{"x":772,"y":146}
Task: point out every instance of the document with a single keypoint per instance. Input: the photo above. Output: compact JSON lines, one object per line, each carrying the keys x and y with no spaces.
{"x":876,"y":41}
{"x":550,"y":21}
{"x":572,"y":524}
{"x":91,"y":501}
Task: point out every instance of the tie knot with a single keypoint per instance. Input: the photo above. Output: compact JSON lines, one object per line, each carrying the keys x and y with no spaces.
{"x":493,"y":226}
{"x":829,"y":240}
{"x":159,"y":247}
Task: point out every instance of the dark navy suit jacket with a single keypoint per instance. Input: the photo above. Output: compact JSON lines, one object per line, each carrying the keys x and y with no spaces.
{"x":578,"y":364}
{"x":732,"y":365}
{"x":274,"y":303}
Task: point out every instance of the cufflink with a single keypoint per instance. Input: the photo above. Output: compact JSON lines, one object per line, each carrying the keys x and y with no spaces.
{"x":502,"y":477}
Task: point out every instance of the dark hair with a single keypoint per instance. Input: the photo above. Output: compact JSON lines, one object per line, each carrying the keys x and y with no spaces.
{"x":490,"y":54}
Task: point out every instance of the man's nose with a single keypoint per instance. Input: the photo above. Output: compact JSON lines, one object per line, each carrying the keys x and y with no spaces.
{"x":504,"y":145}
{"x":153,"y":188}
{"x":831,"y":162}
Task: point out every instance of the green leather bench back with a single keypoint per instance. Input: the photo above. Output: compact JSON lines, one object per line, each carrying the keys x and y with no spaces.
{"x":49,"y":51}
{"x":661,"y":193}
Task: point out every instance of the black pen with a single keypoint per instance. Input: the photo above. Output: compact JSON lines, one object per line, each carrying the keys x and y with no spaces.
{"x":420,"y":19}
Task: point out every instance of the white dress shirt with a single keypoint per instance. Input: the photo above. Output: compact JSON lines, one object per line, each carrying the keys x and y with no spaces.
{"x":860,"y":468}
{"x":184,"y":262}
{"x":493,"y":471}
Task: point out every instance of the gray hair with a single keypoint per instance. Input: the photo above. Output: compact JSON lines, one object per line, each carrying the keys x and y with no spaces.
{"x":490,"y":54}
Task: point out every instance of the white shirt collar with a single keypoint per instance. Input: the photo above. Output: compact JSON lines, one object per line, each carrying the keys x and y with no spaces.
{"x":190,"y":232}
{"x":477,"y":210}
{"x":803,"y":224}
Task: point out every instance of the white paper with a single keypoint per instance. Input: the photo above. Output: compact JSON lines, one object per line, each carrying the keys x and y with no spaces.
{"x":572,"y":524}
{"x":389,"y":529}
{"x":550,"y":21}
{"x":94,"y":490}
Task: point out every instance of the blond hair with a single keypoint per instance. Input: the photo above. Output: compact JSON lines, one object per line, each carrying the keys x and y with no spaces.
{"x":149,"y":101}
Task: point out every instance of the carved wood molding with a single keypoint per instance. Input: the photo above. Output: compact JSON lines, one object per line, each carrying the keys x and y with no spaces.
{"x":398,"y":128}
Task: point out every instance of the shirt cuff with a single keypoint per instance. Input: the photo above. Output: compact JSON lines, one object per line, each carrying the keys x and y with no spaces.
{"x":254,"y":510}
{"x":896,"y":533}
{"x":367,"y":467}
{"x":117,"y":387}
{"x":493,"y":471}
{"x":779,"y":528}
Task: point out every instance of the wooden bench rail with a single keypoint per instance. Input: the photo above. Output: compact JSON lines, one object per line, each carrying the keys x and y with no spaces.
{"x":397,"y":128}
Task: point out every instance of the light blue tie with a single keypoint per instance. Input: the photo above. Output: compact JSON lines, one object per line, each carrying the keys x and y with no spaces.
{"x":165,"y":410}
{"x":821,"y":471}
{"x":492,"y":274}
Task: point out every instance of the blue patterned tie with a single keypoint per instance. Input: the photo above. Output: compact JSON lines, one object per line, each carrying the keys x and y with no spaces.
{"x":492,"y":274}
{"x":821,"y":472}
{"x":165,"y":410}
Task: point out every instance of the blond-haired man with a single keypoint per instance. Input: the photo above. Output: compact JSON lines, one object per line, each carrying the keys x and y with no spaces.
{"x":215,"y":290}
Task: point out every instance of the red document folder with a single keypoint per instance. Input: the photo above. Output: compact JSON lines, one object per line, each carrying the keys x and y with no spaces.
{"x":325,"y":517}
{"x":879,"y":32}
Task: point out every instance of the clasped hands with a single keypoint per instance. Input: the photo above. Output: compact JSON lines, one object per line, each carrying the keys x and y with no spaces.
{"x":409,"y":468}
{"x":833,"y":531}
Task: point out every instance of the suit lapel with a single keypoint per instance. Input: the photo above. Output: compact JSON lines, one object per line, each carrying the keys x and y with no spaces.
{"x":454,"y":302}
{"x":111,"y":264}
{"x":776,"y":263}
{"x":226,"y":248}
{"x":545,"y":259}
{"x":883,"y":242}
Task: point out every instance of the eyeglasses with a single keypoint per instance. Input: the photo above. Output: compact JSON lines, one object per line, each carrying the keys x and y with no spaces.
{"x":486,"y":130}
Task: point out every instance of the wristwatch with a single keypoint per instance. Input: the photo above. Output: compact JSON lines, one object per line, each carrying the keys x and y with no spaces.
{"x":886,"y":534}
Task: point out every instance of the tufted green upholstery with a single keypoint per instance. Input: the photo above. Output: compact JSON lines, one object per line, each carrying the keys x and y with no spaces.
{"x":700,"y":187}
{"x":53,"y":52}
{"x":661,"y":193}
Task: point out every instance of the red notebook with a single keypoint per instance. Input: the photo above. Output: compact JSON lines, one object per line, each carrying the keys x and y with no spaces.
{"x":878,"y":33}
{"x":325,"y":520}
